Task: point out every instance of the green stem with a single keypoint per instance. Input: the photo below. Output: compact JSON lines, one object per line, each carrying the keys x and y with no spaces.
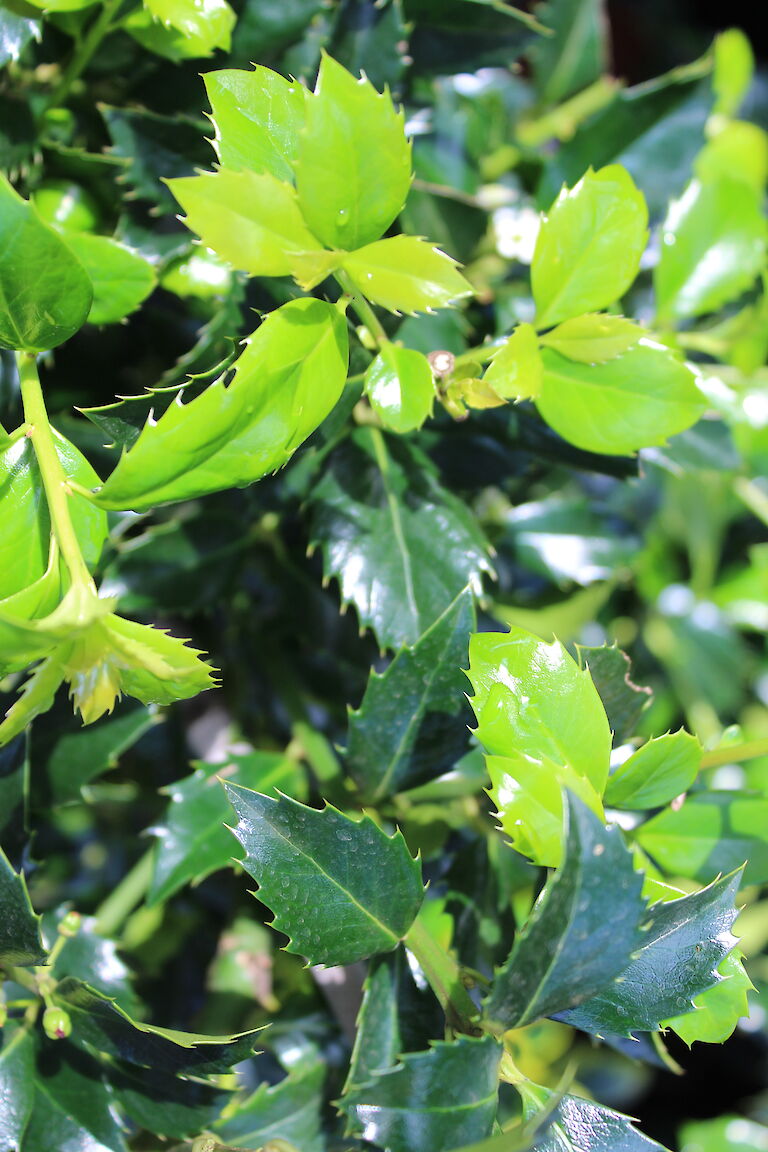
{"x":116,"y":909}
{"x":23,"y":977}
{"x":54,"y":479}
{"x":736,"y":754}
{"x":85,"y":50}
{"x":753,"y":496}
{"x":443,"y":974}
{"x":362,"y":307}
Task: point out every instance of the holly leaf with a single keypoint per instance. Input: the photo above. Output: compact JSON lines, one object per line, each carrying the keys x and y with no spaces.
{"x":14,"y":768}
{"x":257,"y":116}
{"x":121,"y":279}
{"x":91,"y":957}
{"x":353,"y":170}
{"x":231,"y":436}
{"x":166,"y":1105}
{"x":531,"y":698}
{"x":634,"y":401}
{"x":662,"y":769}
{"x":734,"y":68}
{"x":442,"y":1098}
{"x":589,"y":246}
{"x":100,"y":1025}
{"x":151,"y":144}
{"x":193,"y":840}
{"x":400,"y":388}
{"x":572,"y":1124}
{"x":15,"y":33}
{"x":713,"y":248}
{"x":719,"y":1009}
{"x":401,"y":546}
{"x":289,"y":1110}
{"x":20,"y":939}
{"x":712,"y":832}
{"x":683,"y":943}
{"x":582,"y":932}
{"x":516,"y":369}
{"x":411,"y":725}
{"x":340,"y":889}
{"x":577,"y":52}
{"x":406,"y":274}
{"x":594,"y":338}
{"x":45,"y":293}
{"x":252,"y":220}
{"x":203,"y":24}
{"x":624,"y":701}
{"x":726,"y":1134}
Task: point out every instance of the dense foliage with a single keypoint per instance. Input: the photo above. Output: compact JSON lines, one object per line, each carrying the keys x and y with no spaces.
{"x":446,"y":388}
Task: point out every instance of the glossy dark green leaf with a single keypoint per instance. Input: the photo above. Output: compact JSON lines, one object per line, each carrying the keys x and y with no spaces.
{"x":20,"y":940}
{"x":713,"y":832}
{"x":623,"y":700}
{"x":340,"y":889}
{"x":231,"y":436}
{"x":15,"y":33}
{"x":166,"y":1105}
{"x":25,"y":542}
{"x":257,"y":116}
{"x":194,"y":839}
{"x":290,"y":1111}
{"x":662,"y":769}
{"x":401,"y":546}
{"x":582,"y":932}
{"x":99,"y":1024}
{"x":121,"y":279}
{"x":412,"y":723}
{"x":155,"y":148}
{"x":441,"y":1098}
{"x":575,"y":55}
{"x":713,"y":248}
{"x":577,"y":1124}
{"x":353,"y":170}
{"x":635,"y":401}
{"x":373,"y":42}
{"x":719,"y":1009}
{"x":406,"y":274}
{"x":91,"y":957}
{"x":683,"y":942}
{"x":589,"y":246}
{"x":45,"y":293}
{"x":400,"y":388}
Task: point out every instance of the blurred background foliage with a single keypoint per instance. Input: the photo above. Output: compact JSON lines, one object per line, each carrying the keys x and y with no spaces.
{"x":667,"y":555}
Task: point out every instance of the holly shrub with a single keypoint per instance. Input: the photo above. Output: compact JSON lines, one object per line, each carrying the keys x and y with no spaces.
{"x":379,"y":415}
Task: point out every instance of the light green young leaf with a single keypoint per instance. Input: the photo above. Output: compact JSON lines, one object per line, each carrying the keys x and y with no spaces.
{"x":252,"y":220}
{"x":719,"y":1009}
{"x":231,"y":436}
{"x":45,"y":293}
{"x":726,"y":1134}
{"x":406,"y":274}
{"x":589,"y":246}
{"x":400,"y":388}
{"x":713,"y":248}
{"x":442,"y":1098}
{"x":635,"y":401}
{"x":20,"y":940}
{"x":204,"y":24}
{"x":738,"y":152}
{"x":516,"y":370}
{"x":341,"y":889}
{"x":528,"y":795}
{"x":257,"y":117}
{"x":594,"y":338}
{"x":289,"y":1111}
{"x":121,"y":279}
{"x":662,"y":769}
{"x":582,"y":932}
{"x":733,"y":70}
{"x":353,"y":169}
{"x":532,"y":699}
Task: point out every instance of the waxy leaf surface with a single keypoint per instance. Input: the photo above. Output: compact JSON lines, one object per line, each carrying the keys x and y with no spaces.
{"x":682,"y":945}
{"x":412,"y":723}
{"x":230,"y":436}
{"x":340,"y":889}
{"x":623,"y":700}
{"x":442,"y":1098}
{"x":20,"y":940}
{"x":594,"y":337}
{"x":401,"y":546}
{"x":582,"y":932}
{"x":406,"y":274}
{"x":121,"y":279}
{"x":353,"y":169}
{"x":579,"y":1125}
{"x":400,"y":388}
{"x":658,"y":772}
{"x":634,"y":401}
{"x":589,"y":246}
{"x":257,"y":116}
{"x":289,"y":1110}
{"x":516,"y":369}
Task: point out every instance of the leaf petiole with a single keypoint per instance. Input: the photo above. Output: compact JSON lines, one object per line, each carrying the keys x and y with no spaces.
{"x":444,"y":977}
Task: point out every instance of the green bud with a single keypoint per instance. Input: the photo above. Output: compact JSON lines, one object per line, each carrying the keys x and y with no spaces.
{"x":56,"y":1023}
{"x":69,"y":926}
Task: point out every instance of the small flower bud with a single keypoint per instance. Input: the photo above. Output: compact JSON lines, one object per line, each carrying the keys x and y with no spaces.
{"x":56,"y":1023}
{"x":69,"y":926}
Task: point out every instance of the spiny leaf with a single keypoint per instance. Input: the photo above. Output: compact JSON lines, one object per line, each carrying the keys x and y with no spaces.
{"x":340,"y":889}
{"x":662,"y":769}
{"x":406,"y":274}
{"x":684,"y":942}
{"x":289,"y":1110}
{"x":411,"y":725}
{"x":624,"y":701}
{"x":20,"y":940}
{"x":582,"y":932}
{"x":257,"y":117}
{"x":441,"y":1098}
{"x":576,"y":1125}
